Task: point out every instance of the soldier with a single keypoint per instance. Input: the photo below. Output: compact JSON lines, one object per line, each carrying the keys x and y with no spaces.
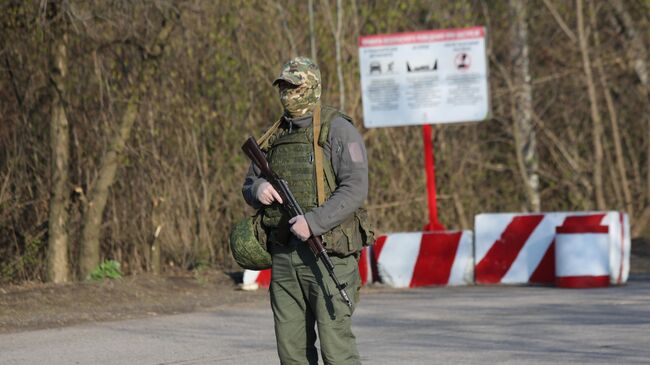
{"x":303,"y":296}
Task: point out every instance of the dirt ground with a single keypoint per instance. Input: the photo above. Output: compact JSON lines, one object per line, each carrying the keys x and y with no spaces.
{"x":36,"y":306}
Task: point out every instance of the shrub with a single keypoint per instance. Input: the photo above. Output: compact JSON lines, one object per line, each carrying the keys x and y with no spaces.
{"x":108,"y":269}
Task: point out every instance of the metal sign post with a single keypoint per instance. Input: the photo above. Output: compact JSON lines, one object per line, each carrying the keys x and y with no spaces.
{"x":430,"y":168}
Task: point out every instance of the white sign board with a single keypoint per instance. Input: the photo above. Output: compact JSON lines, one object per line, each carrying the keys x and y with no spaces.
{"x":428,"y":77}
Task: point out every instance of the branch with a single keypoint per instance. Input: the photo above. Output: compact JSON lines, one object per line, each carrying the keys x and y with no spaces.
{"x":285,"y":26}
{"x":560,"y":22}
{"x":14,"y":85}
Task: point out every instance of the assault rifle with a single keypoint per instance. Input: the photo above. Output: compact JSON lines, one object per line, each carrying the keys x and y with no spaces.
{"x":289,"y":203}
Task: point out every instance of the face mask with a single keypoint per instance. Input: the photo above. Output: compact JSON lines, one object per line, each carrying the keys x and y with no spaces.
{"x":300,"y":100}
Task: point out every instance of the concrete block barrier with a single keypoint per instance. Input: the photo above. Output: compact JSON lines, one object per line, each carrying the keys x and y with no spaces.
{"x":408,"y":260}
{"x":515,"y":248}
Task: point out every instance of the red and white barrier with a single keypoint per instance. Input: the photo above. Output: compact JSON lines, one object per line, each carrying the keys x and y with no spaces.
{"x":365,"y":266}
{"x":582,"y":256}
{"x":518,"y":248}
{"x":254,"y":280}
{"x":421,"y":259}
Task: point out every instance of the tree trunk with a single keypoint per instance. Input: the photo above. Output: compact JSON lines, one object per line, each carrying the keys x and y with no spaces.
{"x":336,"y":29}
{"x":525,"y":137}
{"x":57,"y":258}
{"x":616,"y":136}
{"x":202,"y":249}
{"x":339,"y":66}
{"x":90,"y":245}
{"x":597,"y":131}
{"x":312,"y":34}
{"x":638,"y":53}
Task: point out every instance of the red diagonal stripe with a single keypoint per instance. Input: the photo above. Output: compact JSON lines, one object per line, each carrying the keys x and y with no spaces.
{"x":379,"y":244}
{"x":363,"y":266}
{"x":264,"y":278}
{"x":545,"y":271}
{"x":504,"y":251}
{"x":376,"y":251}
{"x":584,"y":220}
{"x":435,"y":259}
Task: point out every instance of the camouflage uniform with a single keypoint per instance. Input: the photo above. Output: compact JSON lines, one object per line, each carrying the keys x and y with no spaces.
{"x":303,"y":296}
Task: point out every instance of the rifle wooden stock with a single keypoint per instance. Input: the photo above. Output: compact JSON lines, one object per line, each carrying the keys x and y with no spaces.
{"x":253,"y":151}
{"x":289,"y":202}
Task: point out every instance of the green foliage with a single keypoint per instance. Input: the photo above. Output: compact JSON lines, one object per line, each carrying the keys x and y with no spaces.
{"x":109,"y":269}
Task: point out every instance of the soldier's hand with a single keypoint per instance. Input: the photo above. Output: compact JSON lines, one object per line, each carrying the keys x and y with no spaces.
{"x":266,"y":194}
{"x":299,"y":227}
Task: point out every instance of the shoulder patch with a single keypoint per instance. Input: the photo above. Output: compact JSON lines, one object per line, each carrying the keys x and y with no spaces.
{"x":356,"y":153}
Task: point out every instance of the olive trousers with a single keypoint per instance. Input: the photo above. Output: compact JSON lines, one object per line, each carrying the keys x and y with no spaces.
{"x":303,"y":296}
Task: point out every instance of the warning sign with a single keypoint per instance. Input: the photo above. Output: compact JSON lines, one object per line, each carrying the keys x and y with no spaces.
{"x":428,"y":77}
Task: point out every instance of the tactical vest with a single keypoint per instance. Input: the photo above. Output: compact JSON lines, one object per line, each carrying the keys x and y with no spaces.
{"x":291,"y":156}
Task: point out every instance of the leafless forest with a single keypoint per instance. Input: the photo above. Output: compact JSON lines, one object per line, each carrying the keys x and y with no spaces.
{"x":121,"y":120}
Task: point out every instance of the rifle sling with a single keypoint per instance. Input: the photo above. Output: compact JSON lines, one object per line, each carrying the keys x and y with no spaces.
{"x":318,"y":157}
{"x":263,"y":141}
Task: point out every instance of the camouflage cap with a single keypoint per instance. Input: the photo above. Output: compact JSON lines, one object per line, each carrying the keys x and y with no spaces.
{"x":299,"y":71}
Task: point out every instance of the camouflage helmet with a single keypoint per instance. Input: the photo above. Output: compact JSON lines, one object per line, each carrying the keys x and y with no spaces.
{"x":248,"y":244}
{"x":305,"y":76}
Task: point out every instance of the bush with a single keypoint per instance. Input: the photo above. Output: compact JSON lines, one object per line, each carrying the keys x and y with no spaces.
{"x":108,"y":269}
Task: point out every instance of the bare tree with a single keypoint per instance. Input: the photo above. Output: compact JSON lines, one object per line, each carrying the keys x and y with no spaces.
{"x":57,"y":262}
{"x":90,"y":244}
{"x":524,"y":132}
{"x":337,"y":29}
{"x":613,"y":117}
{"x":638,"y":54}
{"x":597,"y":131}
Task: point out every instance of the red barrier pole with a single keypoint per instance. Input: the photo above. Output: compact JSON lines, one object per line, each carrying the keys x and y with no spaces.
{"x":429,"y":166}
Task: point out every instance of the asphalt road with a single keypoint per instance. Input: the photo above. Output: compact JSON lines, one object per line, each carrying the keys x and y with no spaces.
{"x":465,"y":325}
